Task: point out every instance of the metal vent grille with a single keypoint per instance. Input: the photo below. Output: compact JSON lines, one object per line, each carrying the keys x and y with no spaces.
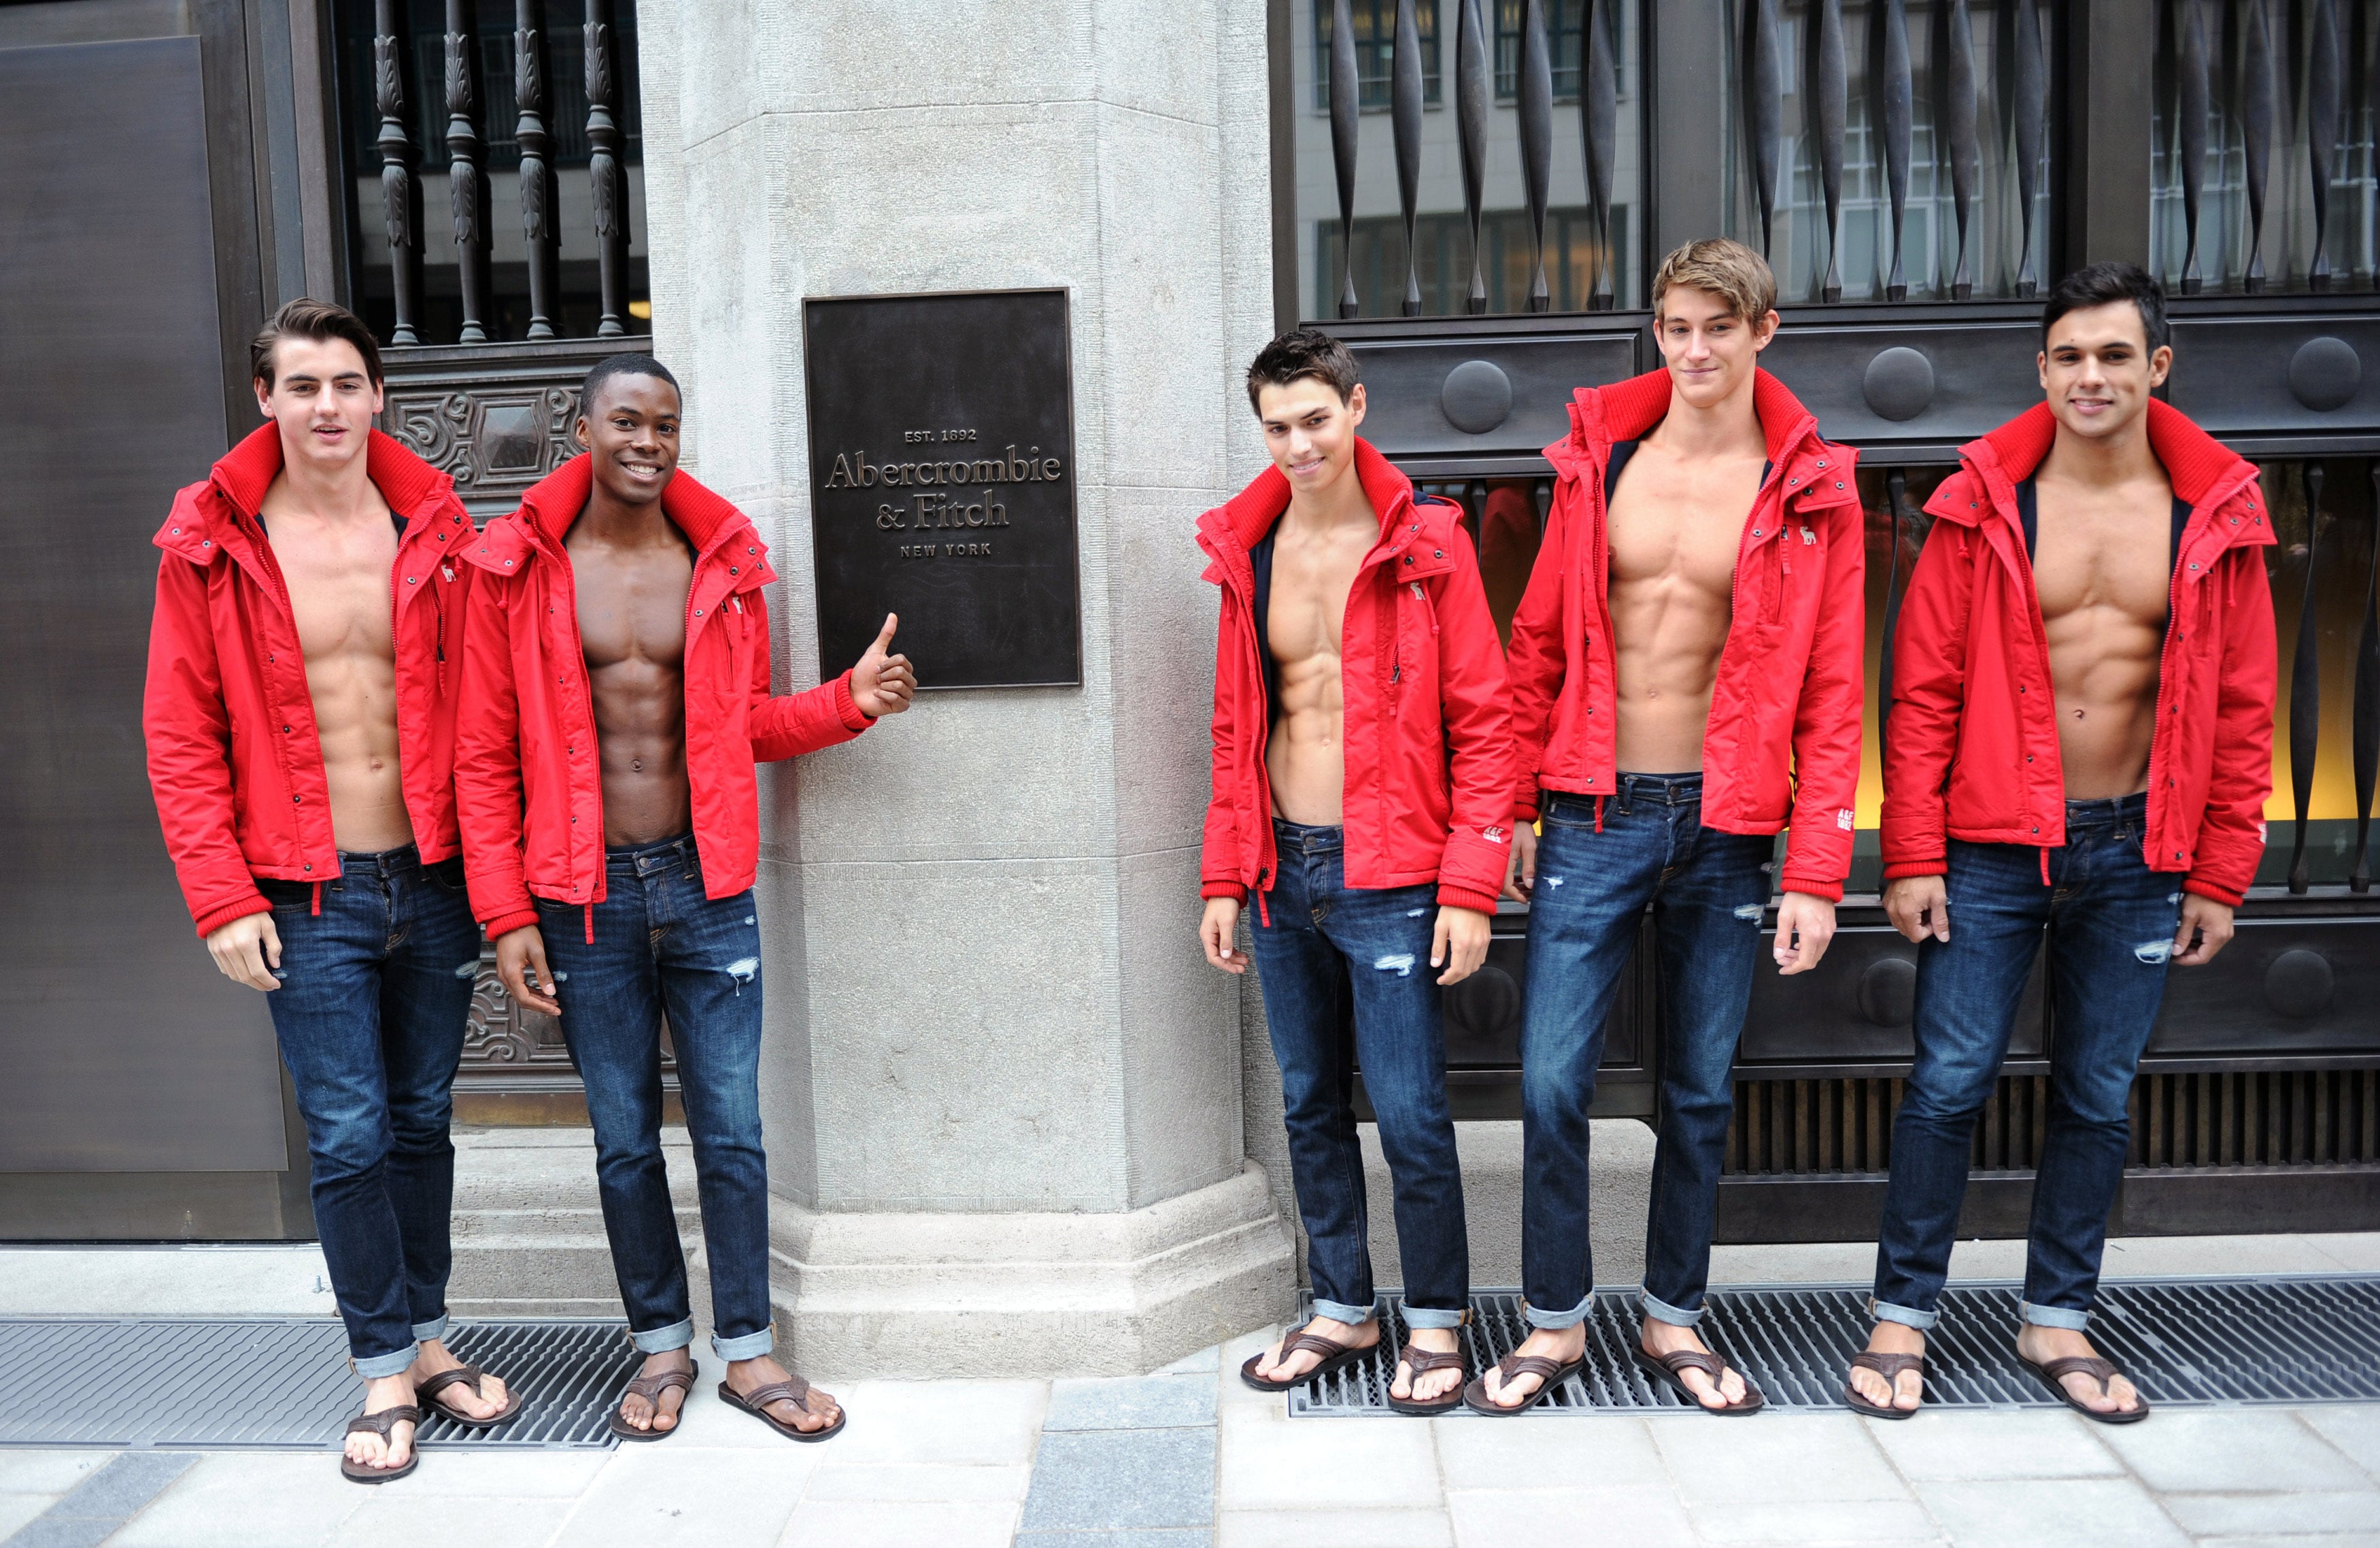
{"x":282,"y":1384}
{"x":2180,"y":1341}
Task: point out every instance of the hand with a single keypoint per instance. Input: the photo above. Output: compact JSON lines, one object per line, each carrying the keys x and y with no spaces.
{"x":1523,"y":878}
{"x":2206,"y":929}
{"x":520,"y":962}
{"x":247,"y":947}
{"x":1919,"y":907}
{"x":1216,"y":932}
{"x":881,"y":682}
{"x":1459,"y":943}
{"x":1812,"y":919}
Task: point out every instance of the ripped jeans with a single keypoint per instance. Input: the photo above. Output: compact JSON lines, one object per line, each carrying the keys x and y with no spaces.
{"x":1326,"y":942}
{"x":2110,"y":921}
{"x":661,"y":947}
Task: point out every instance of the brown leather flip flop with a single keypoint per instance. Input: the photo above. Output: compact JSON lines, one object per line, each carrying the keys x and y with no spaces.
{"x":792,"y":1389}
{"x":1335,"y":1358}
{"x":466,"y":1375}
{"x":383,"y":1424}
{"x":1416,"y":1361}
{"x":1889,"y":1367}
{"x":2100,"y":1371}
{"x":1550,"y":1374}
{"x":1668,"y":1369}
{"x":651,"y":1388}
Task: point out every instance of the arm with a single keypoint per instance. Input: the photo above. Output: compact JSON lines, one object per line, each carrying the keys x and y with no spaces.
{"x":1219,"y":850}
{"x":1536,"y":659}
{"x":488,"y":792}
{"x":1928,"y":694}
{"x":2231,"y":836}
{"x":1826,"y":721}
{"x":189,"y":735}
{"x":831,"y":713}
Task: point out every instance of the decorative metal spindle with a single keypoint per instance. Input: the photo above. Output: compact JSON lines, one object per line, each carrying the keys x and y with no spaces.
{"x":1829,"y":87}
{"x":1599,"y":120}
{"x":2032,"y":113}
{"x":1764,"y":111}
{"x":603,"y":169}
{"x":1471,"y":125}
{"x":2322,"y":127}
{"x":2259,"y":104}
{"x":1893,"y":91}
{"x":537,"y":181}
{"x":1406,"y":100}
{"x":467,"y":180}
{"x":400,"y":192}
{"x":1346,"y":106}
{"x":2367,"y":705}
{"x":1896,"y":495}
{"x":1954,"y":69}
{"x":2305,"y":682}
{"x":2190,"y":25}
{"x":1536,"y":140}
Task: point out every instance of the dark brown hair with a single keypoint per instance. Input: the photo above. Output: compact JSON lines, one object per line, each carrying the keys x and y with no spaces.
{"x":1300,"y":353}
{"x":307,"y":317}
{"x":2099,"y":285}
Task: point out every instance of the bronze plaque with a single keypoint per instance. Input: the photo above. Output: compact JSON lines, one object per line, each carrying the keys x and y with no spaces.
{"x":942,"y":484}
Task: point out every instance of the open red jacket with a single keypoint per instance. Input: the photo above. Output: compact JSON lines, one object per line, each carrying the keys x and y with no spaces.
{"x":1429,"y":757}
{"x":1782,"y":743}
{"x":527,"y":774}
{"x":234,"y":759}
{"x":1971,"y":751}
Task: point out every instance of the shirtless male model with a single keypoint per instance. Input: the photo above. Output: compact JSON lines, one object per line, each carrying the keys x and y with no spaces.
{"x":615,"y":696}
{"x":1362,"y":796}
{"x":2080,"y":742}
{"x":1685,"y":671}
{"x":300,"y":722}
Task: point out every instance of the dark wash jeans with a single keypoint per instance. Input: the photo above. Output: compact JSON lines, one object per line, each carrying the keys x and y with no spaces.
{"x":374,"y":992}
{"x":2110,"y":921}
{"x":1706,"y":890}
{"x":1327,"y":940}
{"x":661,"y":945}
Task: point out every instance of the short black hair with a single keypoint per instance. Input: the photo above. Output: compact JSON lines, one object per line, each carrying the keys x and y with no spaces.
{"x":2098,"y":284}
{"x":319,"y":321}
{"x":624,"y":365}
{"x":1300,"y":353}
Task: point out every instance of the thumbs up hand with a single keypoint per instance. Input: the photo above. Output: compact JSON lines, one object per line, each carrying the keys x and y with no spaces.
{"x":881,"y":681}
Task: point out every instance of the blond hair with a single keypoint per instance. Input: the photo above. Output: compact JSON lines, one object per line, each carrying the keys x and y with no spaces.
{"x":1729,"y":270}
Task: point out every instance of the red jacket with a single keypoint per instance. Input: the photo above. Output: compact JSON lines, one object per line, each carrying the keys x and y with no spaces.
{"x":527,"y":774}
{"x":1782,"y":748}
{"x":1972,"y":752}
{"x":234,"y":758}
{"x":1429,"y":757}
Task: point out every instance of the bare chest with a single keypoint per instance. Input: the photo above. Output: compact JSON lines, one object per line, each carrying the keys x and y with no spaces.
{"x":632,"y":608}
{"x":1311,"y":581}
{"x":2104,"y":557}
{"x":338,"y":583}
{"x":1680,"y":524}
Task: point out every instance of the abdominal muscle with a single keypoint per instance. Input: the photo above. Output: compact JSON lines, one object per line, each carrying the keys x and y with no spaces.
{"x":1305,"y":754}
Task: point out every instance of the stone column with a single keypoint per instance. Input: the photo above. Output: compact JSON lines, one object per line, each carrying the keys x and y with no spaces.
{"x":1001,"y":1086}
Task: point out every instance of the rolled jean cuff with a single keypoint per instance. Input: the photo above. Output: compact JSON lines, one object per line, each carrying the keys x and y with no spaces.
{"x":1555,"y":1322}
{"x":1663,"y":1311}
{"x":751,"y":1346}
{"x":2053,"y":1316}
{"x":378,"y":1366}
{"x":1340,"y":1311}
{"x":661,"y":1341}
{"x":1431,"y":1317}
{"x":1907,"y":1316}
{"x":425,"y":1332}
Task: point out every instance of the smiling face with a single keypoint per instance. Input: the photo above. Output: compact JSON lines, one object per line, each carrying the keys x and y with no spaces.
{"x":323,"y":400}
{"x":2099,"y":370}
{"x":1710,"y":352}
{"x":1310,"y":430}
{"x":631,"y":428}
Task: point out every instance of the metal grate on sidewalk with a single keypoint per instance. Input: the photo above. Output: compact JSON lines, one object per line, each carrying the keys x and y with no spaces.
{"x":2182,"y":1341}
{"x":282,"y":1383}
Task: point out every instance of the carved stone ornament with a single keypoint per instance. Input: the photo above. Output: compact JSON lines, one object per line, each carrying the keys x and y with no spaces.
{"x":490,"y":441}
{"x":507,"y":1047}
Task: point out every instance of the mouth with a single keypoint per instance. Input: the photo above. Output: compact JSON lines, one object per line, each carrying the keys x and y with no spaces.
{"x":643,"y":472}
{"x":1306,"y":469}
{"x":2090,"y":404}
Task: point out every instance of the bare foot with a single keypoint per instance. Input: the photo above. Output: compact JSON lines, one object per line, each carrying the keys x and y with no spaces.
{"x":1432,"y":1384}
{"x":815,"y":1413}
{"x":1667,"y":1339}
{"x":1560,"y":1345}
{"x":368,"y":1450}
{"x":435,"y":1357}
{"x":1354,"y":1335}
{"x":640,"y":1412}
{"x":2041,"y":1345}
{"x":1905,"y":1391}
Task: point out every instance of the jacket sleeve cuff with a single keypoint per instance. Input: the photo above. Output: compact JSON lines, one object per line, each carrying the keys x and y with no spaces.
{"x":1829,"y":890}
{"x":2204,"y":888}
{"x":504,"y":924}
{"x":1524,"y":803}
{"x":854,"y":720}
{"x":253,"y":903}
{"x":1452,"y":897}
{"x":1231,"y":890}
{"x":1936,"y":865}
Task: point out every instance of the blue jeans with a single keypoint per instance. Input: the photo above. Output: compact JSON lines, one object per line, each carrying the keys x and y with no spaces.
{"x":374,"y":993}
{"x":661,"y":947}
{"x":1328,"y":946}
{"x":2110,"y":920}
{"x":1706,"y":890}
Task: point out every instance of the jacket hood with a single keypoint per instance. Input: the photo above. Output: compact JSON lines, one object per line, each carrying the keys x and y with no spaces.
{"x":2203,"y":470}
{"x":1626,"y":410}
{"x":555,"y":501}
{"x":197,"y":529}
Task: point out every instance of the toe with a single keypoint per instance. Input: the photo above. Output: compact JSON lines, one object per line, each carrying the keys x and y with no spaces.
{"x":1402,"y":1386}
